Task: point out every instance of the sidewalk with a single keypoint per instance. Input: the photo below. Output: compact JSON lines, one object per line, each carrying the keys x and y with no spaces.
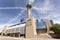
{"x":14,"y":38}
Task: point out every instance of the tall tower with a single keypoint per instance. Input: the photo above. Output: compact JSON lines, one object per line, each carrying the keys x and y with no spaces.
{"x":31,"y":24}
{"x":29,"y":10}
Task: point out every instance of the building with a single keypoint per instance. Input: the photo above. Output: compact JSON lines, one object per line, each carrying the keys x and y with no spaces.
{"x":43,"y":26}
{"x":26,"y":29}
{"x":18,"y":30}
{"x":15,"y":30}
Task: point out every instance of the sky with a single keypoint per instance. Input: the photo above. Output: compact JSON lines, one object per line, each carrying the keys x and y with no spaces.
{"x":11,"y":11}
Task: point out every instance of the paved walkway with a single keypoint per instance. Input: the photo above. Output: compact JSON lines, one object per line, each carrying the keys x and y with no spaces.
{"x":44,"y":35}
{"x":14,"y":38}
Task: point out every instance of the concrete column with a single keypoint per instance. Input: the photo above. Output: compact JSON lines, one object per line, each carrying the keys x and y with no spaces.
{"x":19,"y":34}
{"x":2,"y":34}
{"x":13,"y":35}
{"x":10,"y":35}
{"x":48,"y":25}
{"x":30,"y":25}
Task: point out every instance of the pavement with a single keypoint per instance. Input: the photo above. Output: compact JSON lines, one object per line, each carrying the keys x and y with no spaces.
{"x":19,"y":38}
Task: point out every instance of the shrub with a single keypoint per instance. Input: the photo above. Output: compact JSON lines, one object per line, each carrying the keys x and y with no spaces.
{"x":56,"y":28}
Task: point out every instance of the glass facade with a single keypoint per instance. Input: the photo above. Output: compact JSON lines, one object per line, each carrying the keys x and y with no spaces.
{"x":17,"y":29}
{"x":12,"y":30}
{"x":40,"y":24}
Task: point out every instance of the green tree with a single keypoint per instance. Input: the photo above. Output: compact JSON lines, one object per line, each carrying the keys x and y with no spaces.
{"x":56,"y":28}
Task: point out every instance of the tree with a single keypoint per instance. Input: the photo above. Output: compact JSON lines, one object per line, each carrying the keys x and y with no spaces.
{"x":56,"y":28}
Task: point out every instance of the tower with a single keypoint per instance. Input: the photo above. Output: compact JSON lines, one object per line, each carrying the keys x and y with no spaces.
{"x":30,"y":24}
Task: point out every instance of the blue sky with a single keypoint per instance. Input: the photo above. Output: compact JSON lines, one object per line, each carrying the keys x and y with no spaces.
{"x":11,"y":11}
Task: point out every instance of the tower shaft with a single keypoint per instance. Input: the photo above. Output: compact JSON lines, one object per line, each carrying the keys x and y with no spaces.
{"x":29,"y":13}
{"x":30,"y":24}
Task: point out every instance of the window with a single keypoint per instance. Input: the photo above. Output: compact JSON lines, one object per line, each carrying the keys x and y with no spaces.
{"x":13,"y":30}
{"x":17,"y":29}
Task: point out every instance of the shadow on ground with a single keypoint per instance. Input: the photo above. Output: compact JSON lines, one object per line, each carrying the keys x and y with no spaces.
{"x":57,"y":36}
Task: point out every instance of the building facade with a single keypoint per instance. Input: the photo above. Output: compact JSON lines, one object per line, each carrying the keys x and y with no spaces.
{"x":27,"y":29}
{"x":19,"y":29}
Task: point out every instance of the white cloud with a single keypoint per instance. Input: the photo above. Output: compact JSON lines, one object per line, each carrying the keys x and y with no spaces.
{"x":12,"y":8}
{"x":16,"y":17}
{"x":46,"y":6}
{"x":55,"y":16}
{"x":52,"y":15}
{"x":48,"y":9}
{"x":31,"y":1}
{"x":56,"y":21}
{"x":2,"y":26}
